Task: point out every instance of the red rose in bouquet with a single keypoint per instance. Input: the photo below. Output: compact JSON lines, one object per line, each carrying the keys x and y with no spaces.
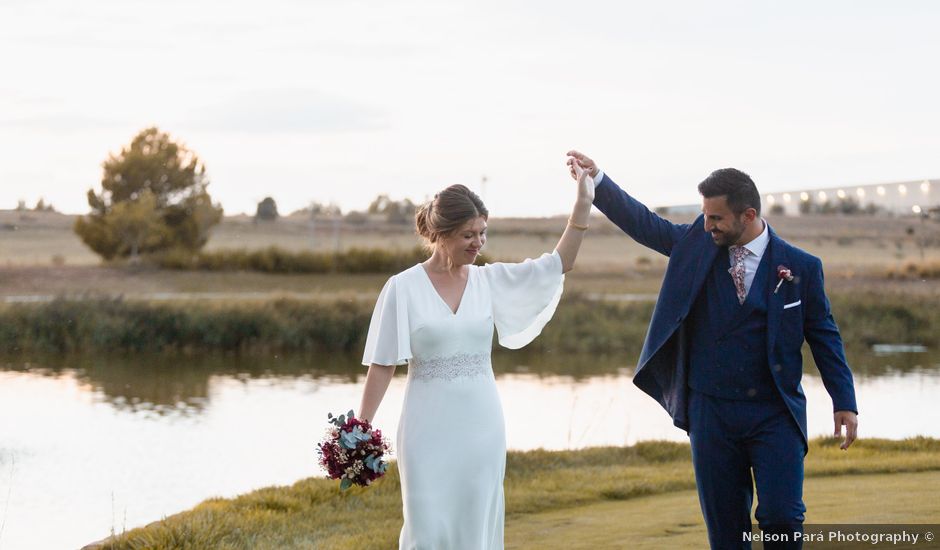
{"x":353,"y":451}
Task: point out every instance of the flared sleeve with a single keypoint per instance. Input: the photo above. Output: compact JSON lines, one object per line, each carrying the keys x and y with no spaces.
{"x":524,"y":296}
{"x":389,"y":339}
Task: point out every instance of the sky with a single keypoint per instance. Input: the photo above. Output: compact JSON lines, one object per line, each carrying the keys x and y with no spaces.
{"x":342,"y":101}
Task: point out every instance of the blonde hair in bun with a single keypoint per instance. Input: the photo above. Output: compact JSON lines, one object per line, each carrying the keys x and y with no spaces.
{"x":447,"y":212}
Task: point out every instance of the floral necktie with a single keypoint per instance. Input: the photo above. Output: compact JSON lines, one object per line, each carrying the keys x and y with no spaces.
{"x":738,"y":253}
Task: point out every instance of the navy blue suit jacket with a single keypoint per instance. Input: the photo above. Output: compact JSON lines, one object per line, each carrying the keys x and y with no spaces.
{"x":662,"y":371}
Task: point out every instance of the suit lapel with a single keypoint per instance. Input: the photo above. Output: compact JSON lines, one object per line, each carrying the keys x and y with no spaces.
{"x":777,"y":256}
{"x":689,"y":265}
{"x":702,"y":269}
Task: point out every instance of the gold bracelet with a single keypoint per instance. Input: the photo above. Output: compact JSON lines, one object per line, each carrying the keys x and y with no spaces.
{"x":577,"y":225}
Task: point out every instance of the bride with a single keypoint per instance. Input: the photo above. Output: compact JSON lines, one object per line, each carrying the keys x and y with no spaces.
{"x":438,"y":317}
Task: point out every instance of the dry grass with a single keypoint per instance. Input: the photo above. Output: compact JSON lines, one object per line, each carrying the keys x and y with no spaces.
{"x":915,"y":270}
{"x":864,"y":243}
{"x":148,"y":283}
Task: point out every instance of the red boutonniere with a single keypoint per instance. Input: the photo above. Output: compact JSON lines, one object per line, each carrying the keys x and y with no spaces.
{"x":784,"y":274}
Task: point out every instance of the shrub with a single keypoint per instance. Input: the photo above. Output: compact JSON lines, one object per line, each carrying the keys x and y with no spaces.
{"x":580,"y":325}
{"x":153,"y":197}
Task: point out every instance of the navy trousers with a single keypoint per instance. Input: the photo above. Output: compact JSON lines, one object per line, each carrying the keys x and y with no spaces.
{"x":730,"y":439}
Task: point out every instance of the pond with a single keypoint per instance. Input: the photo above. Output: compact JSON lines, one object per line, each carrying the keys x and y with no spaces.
{"x":94,"y":445}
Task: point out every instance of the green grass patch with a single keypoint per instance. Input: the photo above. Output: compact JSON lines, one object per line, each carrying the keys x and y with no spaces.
{"x":121,"y":326}
{"x":313,"y":513}
{"x":867,"y":318}
{"x":580,"y":325}
{"x":674,"y":521}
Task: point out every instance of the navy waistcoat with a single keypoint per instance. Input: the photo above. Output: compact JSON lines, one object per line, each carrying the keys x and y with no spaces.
{"x":728,"y":339}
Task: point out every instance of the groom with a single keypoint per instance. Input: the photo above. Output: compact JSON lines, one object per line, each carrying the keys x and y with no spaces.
{"x":722,"y":354}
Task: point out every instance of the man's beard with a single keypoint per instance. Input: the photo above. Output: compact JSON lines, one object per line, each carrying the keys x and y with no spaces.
{"x":728,"y":238}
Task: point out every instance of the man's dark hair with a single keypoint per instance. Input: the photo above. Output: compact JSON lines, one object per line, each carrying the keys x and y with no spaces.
{"x":734,"y":184}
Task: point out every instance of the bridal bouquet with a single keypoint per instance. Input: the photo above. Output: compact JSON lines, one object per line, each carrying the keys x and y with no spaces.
{"x":353,"y":451}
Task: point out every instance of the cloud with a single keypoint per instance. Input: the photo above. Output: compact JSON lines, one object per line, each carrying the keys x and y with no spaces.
{"x":286,"y":111}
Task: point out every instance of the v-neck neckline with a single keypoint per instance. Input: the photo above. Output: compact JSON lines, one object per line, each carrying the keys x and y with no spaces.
{"x":463,"y":293}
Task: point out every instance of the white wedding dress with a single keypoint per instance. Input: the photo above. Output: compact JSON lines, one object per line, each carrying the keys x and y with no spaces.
{"x":451,"y":443}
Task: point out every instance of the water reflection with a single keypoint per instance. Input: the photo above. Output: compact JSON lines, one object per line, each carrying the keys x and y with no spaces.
{"x":174,"y":385}
{"x":866,"y":363}
{"x":165,"y":384}
{"x":141,"y":437}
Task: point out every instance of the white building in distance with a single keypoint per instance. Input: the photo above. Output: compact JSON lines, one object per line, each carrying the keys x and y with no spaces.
{"x":900,"y":198}
{"x":906,"y":198}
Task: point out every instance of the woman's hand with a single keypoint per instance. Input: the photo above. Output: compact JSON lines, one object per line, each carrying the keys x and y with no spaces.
{"x":570,"y":241}
{"x":585,"y":179}
{"x":584,"y":162}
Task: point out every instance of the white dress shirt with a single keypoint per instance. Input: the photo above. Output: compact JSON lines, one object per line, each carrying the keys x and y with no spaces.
{"x":757,"y":247}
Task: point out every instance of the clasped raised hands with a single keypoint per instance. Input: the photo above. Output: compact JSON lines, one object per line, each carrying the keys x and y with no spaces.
{"x":583,"y":170}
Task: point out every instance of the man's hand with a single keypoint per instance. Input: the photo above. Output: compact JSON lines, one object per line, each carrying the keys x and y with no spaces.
{"x":850,"y":420}
{"x":585,"y":182}
{"x":585,"y":163}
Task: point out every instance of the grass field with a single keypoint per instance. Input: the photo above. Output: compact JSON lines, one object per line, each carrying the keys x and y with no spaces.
{"x":673,"y":520}
{"x":592,"y":498}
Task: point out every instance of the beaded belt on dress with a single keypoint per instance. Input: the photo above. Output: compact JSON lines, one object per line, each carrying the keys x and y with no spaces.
{"x":450,"y":367}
